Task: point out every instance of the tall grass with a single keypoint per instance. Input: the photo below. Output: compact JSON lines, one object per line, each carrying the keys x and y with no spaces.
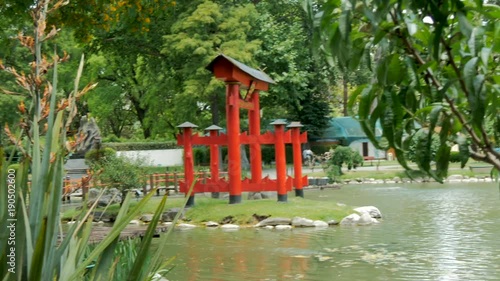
{"x":32,"y":243}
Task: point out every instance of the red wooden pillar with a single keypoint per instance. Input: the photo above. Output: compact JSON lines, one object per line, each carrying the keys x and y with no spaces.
{"x":254,"y":128}
{"x":279,"y":146}
{"x":187,"y":132}
{"x":233,"y":136}
{"x":214,"y":156}
{"x":297,"y":158}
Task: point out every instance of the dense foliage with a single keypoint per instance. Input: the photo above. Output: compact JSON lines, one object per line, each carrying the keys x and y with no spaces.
{"x":342,"y":155}
{"x":435,"y":66}
{"x":148,"y":58}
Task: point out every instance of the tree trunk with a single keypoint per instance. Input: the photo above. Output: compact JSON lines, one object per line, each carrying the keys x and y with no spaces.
{"x":141,"y":116}
{"x":345,"y":88}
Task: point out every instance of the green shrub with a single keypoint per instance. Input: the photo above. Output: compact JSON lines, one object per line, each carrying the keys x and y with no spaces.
{"x":455,"y":157}
{"x":201,"y":156}
{"x":123,"y":173}
{"x":111,"y":138}
{"x":342,"y":155}
{"x":95,"y":157}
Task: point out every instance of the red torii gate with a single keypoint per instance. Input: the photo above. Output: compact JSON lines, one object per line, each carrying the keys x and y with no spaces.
{"x":234,"y":74}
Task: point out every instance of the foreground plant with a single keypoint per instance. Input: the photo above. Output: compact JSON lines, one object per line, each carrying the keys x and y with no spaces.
{"x":32,"y":243}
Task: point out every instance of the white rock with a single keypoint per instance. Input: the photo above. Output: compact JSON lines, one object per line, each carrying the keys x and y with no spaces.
{"x":147,"y":217}
{"x":168,"y":223}
{"x":373,"y":211}
{"x":274,"y":221}
{"x":186,"y":226}
{"x":211,"y":224}
{"x":302,"y":222}
{"x":136,"y":222}
{"x":229,"y":226}
{"x":319,"y":223}
{"x":365,"y":219}
{"x":158,"y":277}
{"x":283,"y":227}
{"x":351,"y":219}
{"x":269,"y":227}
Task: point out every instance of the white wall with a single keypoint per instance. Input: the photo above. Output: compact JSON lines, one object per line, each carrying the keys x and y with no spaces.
{"x":162,"y":157}
{"x":372,"y":151}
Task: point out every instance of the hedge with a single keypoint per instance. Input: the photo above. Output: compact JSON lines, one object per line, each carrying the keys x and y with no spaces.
{"x":127,"y":146}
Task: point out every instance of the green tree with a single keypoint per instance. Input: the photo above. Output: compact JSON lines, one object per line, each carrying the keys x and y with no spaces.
{"x":122,"y":173}
{"x":302,"y":92}
{"x":437,"y":66}
{"x":201,"y":31}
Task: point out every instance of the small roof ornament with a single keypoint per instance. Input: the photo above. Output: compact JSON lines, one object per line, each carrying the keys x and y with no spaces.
{"x":187,"y":125}
{"x":295,"y":124}
{"x":213,"y":128}
{"x":278,"y":122}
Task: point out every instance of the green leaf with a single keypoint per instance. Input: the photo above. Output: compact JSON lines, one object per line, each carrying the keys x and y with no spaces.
{"x":140,"y":268}
{"x":464,"y":24}
{"x":463,"y":148}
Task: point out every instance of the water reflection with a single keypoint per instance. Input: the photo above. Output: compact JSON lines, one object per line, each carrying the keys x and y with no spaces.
{"x":429,"y":232}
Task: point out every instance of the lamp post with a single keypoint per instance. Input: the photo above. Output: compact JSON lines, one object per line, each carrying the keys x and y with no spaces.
{"x":297,"y":158}
{"x":214,"y":156}
{"x":280,"y":157}
{"x":187,"y":131}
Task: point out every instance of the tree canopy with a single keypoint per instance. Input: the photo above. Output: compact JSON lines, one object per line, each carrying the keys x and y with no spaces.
{"x":435,"y":72}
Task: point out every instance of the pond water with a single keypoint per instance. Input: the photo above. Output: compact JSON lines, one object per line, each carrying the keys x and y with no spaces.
{"x":429,"y":232}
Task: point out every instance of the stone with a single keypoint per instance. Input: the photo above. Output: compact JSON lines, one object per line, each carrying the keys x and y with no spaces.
{"x":230,"y":226}
{"x":158,"y":277}
{"x":186,"y":226}
{"x":283,"y":227}
{"x":106,"y":200}
{"x":170,"y":214}
{"x":455,"y":178}
{"x":93,"y":193}
{"x":319,"y":223}
{"x":396,"y":179}
{"x":147,"y":217}
{"x":274,"y":222}
{"x":92,"y":136}
{"x":269,"y":227}
{"x":168,"y":223}
{"x":374,"y":212}
{"x":302,"y":222}
{"x":254,"y":196}
{"x":136,"y":222}
{"x":103,"y":216}
{"x":211,"y":224}
{"x":351,"y":219}
{"x":365,"y":219}
{"x":332,"y":222}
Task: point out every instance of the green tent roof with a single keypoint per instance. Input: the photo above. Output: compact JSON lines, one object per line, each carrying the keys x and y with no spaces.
{"x":345,"y":130}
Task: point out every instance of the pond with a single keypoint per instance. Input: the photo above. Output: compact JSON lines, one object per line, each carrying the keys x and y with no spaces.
{"x":429,"y":232}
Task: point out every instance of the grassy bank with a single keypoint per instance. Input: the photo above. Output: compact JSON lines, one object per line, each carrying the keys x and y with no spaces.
{"x":208,"y":209}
